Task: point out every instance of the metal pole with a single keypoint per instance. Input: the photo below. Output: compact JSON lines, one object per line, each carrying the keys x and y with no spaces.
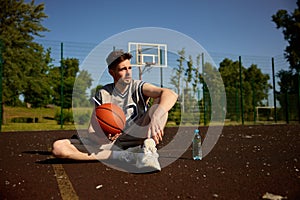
{"x":161,"y":70}
{"x":298,"y":71}
{"x":287,"y":118}
{"x":204,"y":92}
{"x":61,"y":85}
{"x":237,"y":108}
{"x":253,"y":101}
{"x":140,"y":72}
{"x":274,"y":91}
{"x":204,"y":104}
{"x":241,"y":90}
{"x":199,"y":105}
{"x":1,"y":92}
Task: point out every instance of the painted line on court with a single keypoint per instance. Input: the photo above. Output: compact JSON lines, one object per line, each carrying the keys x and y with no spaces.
{"x":65,"y":186}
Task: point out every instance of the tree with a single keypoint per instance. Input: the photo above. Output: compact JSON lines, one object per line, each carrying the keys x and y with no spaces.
{"x":255,"y":84}
{"x":176,"y":79}
{"x":289,"y":81}
{"x":94,"y":90}
{"x":189,"y":73}
{"x":214,"y":93}
{"x":189,"y":70}
{"x":230,"y":72}
{"x":196,"y":77}
{"x":24,"y":60}
{"x":70,"y":70}
{"x":82,"y":83}
{"x":37,"y":86}
{"x":290,"y":25}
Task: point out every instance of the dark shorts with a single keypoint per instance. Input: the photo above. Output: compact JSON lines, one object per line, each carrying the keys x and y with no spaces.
{"x":87,"y":145}
{"x":133,"y":136}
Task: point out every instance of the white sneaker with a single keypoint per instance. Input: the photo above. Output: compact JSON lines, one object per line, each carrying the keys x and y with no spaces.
{"x":127,"y":156}
{"x":149,"y":157}
{"x":130,"y":155}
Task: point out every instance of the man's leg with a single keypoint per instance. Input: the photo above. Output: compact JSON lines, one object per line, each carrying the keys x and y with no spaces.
{"x":65,"y":149}
{"x":137,"y":133}
{"x":145,"y":157}
{"x":87,"y":149}
{"x":136,"y":136}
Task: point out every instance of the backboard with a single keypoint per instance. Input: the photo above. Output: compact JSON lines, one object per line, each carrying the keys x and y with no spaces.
{"x":148,"y":54}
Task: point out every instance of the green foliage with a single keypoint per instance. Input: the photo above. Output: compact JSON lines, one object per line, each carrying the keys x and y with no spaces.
{"x":30,"y":119}
{"x":289,"y":80}
{"x":190,"y":93}
{"x":70,"y":71}
{"x":38,"y":90}
{"x":196,"y":74}
{"x":27,"y":66}
{"x":189,"y":70}
{"x":24,"y":60}
{"x":80,"y":97}
{"x":175,"y":114}
{"x":257,"y":82}
{"x":24,"y":120}
{"x":66,"y":119}
{"x":290,"y":25}
{"x":82,"y":118}
{"x":176,"y":79}
{"x":94,"y":90}
{"x":255,"y":87}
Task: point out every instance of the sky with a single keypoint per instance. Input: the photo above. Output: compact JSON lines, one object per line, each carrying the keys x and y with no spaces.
{"x":225,"y":26}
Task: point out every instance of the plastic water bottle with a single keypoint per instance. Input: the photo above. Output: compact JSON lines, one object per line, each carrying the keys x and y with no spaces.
{"x":197,"y":146}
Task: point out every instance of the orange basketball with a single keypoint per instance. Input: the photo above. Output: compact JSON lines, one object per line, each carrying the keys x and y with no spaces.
{"x":111,"y":118}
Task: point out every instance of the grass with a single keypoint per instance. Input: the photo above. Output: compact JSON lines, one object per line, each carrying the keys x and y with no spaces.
{"x":45,"y":119}
{"x":34,"y":127}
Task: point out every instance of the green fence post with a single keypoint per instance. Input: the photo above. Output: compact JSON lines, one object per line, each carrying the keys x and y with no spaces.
{"x":61,"y":85}
{"x":161,"y":70}
{"x":287,"y":107}
{"x":241,"y":90}
{"x":204,"y":104}
{"x":204,"y":93}
{"x":237,"y":110}
{"x":274,"y":91}
{"x":199,"y":105}
{"x":298,"y":72}
{"x":1,"y":92}
{"x":253,"y":100}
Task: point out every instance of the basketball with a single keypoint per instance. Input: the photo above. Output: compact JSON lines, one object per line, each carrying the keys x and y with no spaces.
{"x":111,"y":118}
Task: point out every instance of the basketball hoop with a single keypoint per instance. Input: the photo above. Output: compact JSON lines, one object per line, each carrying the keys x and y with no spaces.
{"x":147,"y":55}
{"x":149,"y":64}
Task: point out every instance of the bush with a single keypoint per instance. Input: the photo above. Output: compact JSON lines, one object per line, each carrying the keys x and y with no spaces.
{"x":25,"y":120}
{"x":67,"y":117}
{"x":81,"y":119}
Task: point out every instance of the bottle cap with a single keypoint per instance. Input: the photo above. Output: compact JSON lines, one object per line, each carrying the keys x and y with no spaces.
{"x":196,"y":131}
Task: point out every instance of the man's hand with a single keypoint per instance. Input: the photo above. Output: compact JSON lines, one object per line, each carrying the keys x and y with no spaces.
{"x":157,"y":122}
{"x":155,"y":130}
{"x":113,"y":137}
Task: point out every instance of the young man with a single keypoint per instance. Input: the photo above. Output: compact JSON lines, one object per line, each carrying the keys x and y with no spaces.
{"x":144,"y":126}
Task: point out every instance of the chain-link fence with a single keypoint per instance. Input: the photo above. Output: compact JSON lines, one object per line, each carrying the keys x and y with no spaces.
{"x":242,"y":105}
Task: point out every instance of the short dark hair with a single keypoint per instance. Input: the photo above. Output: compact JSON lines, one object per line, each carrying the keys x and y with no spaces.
{"x":115,"y":57}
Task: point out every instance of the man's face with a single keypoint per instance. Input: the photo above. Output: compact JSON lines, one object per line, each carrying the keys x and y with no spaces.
{"x":123,"y":73}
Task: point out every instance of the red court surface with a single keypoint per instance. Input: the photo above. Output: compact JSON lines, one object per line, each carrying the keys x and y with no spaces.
{"x":246,"y":163}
